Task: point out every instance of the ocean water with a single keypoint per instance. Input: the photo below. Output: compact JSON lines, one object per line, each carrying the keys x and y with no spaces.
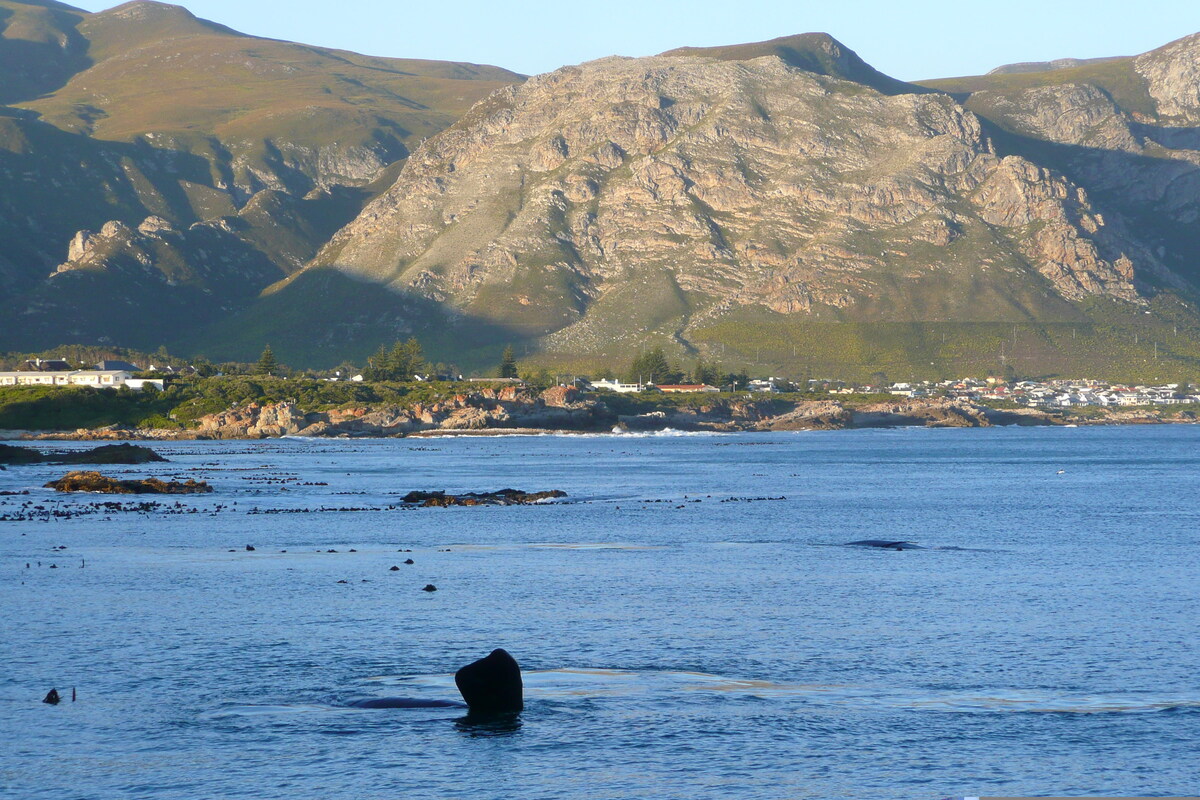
{"x":689,"y":621}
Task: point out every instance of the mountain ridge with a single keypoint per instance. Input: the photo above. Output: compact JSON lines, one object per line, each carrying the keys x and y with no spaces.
{"x":157,"y":113}
{"x":702,"y":199}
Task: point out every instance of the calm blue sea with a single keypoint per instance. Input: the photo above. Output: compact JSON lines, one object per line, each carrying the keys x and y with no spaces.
{"x":689,"y":621}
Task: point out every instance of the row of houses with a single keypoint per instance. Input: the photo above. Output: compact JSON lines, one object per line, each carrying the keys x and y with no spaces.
{"x":1050,"y":394}
{"x":95,"y":378}
{"x":668,"y":388}
{"x":1069,"y":396}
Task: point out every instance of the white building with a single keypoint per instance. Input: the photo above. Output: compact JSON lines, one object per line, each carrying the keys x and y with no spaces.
{"x":97,"y":378}
{"x":617,"y":386}
{"x":34,"y":378}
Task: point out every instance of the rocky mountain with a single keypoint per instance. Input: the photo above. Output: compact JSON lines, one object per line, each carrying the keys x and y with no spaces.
{"x":144,"y":112}
{"x":704,"y":198}
{"x":779,"y":205}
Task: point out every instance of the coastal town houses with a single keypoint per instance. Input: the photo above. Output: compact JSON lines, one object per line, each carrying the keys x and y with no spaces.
{"x":682,"y":388}
{"x":96,"y":378}
{"x":617,"y":386}
{"x":46,"y":365}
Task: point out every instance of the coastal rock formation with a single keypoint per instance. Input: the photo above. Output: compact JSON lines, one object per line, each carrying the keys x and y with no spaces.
{"x":503,"y":497}
{"x":101,"y":484}
{"x":253,"y":421}
{"x":811,"y":416}
{"x":507,"y":408}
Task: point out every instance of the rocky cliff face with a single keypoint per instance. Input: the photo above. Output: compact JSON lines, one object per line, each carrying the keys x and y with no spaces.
{"x":1172,"y":76}
{"x":671,"y":191}
{"x":1124,"y":130}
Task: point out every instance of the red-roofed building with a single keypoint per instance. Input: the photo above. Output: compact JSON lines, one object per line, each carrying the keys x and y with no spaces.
{"x":687,"y":387}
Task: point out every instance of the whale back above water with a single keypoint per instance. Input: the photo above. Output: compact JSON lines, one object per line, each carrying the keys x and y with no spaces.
{"x":491,"y":685}
{"x":405,"y":702}
{"x":884,"y":544}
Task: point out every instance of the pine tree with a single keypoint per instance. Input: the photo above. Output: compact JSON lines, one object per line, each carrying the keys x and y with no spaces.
{"x":377,"y":365}
{"x":707,"y":373}
{"x":508,"y":363}
{"x":266,"y":363}
{"x":393,"y":363}
{"x":650,"y":367}
{"x":414,"y":360}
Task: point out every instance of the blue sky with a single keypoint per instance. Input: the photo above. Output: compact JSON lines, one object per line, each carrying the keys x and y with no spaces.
{"x":909,"y":40}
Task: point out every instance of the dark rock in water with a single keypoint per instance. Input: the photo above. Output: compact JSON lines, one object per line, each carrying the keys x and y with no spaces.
{"x":249,"y":548}
{"x":394,"y":569}
{"x":95,"y":482}
{"x":492,"y":685}
{"x":504,"y":497}
{"x":18,"y":455}
{"x":885,"y":544}
{"x":52,"y":698}
{"x":107,"y":454}
{"x":429,"y":587}
{"x":409,"y":561}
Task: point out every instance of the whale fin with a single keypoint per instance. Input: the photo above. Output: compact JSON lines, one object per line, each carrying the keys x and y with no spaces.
{"x":492,"y":685}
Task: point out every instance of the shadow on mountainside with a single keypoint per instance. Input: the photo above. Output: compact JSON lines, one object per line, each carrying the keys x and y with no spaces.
{"x":321,"y":317}
{"x":1166,"y":228}
{"x":34,"y":68}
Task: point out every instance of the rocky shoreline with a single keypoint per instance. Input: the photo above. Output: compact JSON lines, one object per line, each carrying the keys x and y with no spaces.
{"x":561,"y":410}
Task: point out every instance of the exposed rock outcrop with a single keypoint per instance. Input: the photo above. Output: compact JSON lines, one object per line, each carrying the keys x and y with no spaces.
{"x":102,"y":484}
{"x":507,"y":408}
{"x":503,"y":497}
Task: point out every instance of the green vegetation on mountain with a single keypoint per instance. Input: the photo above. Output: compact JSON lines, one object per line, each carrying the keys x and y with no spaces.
{"x":1118,"y":77}
{"x":775,"y":207}
{"x":144,"y":111}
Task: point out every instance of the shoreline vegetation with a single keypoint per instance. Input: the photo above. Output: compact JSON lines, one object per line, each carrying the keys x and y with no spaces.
{"x":258,"y":408}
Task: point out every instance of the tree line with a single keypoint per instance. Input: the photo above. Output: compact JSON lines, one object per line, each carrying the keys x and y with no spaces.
{"x":652,"y":366}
